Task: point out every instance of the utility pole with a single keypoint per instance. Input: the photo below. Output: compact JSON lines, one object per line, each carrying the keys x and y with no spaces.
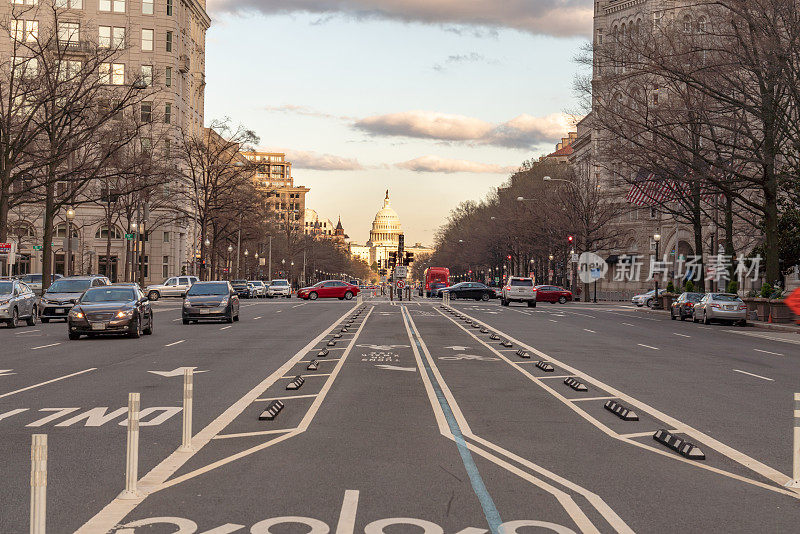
{"x":238,"y":248}
{"x":270,"y":259}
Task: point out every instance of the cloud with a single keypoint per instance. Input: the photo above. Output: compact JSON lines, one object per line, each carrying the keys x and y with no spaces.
{"x":524,"y":131}
{"x":449,"y":166}
{"x":561,"y":18}
{"x":304,"y":110}
{"x":472,"y":57}
{"x":304,"y":159}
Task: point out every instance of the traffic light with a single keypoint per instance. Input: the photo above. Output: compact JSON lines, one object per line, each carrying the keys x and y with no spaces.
{"x":392,"y":259}
{"x":409,"y":258}
{"x":401,"y":244}
{"x":570,"y":238}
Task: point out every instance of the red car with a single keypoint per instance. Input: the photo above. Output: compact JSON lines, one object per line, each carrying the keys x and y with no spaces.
{"x":329,"y":289}
{"x":553,"y":294}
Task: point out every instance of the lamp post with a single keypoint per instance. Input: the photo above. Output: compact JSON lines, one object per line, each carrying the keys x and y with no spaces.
{"x":246,"y":267}
{"x":657,"y":239}
{"x":230,"y":266}
{"x":258,"y":266}
{"x":550,"y":269}
{"x":68,"y":252}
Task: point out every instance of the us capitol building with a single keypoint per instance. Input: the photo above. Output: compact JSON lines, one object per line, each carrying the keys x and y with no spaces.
{"x":385,"y":237}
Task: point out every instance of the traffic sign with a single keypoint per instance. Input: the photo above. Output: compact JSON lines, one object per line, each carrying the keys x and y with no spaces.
{"x":401,"y":271}
{"x":37,"y":247}
{"x":793,"y":301}
{"x":5,"y":248}
{"x":401,"y":284}
{"x":129,"y":237}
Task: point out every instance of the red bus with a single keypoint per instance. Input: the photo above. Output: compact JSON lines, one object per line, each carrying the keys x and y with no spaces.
{"x":436,"y":275}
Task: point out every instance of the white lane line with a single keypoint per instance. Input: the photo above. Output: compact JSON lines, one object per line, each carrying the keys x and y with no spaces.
{"x":647,"y":346}
{"x":279,"y":311}
{"x":757,"y":376}
{"x":552,"y":320}
{"x":591,"y":399}
{"x":176,"y":320}
{"x":28,"y":332}
{"x":682,"y":335}
{"x":175,"y":343}
{"x":286,"y":398}
{"x":765,"y":336}
{"x":305,"y":376}
{"x":48,"y":382}
{"x":587,"y":330}
{"x":556,"y":376}
{"x":645,"y":434}
{"x":257,"y":318}
{"x":298,"y":305}
{"x":768,"y":352}
{"x":584,"y":314}
{"x":629,"y":324}
{"x":46,"y":346}
{"x":347,"y":517}
{"x":226,"y":327}
{"x":250,"y":434}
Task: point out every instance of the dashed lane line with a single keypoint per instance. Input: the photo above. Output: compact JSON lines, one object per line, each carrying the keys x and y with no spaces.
{"x":768,"y":352}
{"x":591,"y":399}
{"x":648,"y":346}
{"x":175,"y":343}
{"x":681,"y":335}
{"x":47,"y":382}
{"x":289,"y":397}
{"x":226,"y":327}
{"x":28,"y":332}
{"x":257,"y":318}
{"x":251,"y":434}
{"x":766,"y":336}
{"x":46,"y":346}
{"x":587,"y":330}
{"x":751,"y":374}
{"x":629,"y":324}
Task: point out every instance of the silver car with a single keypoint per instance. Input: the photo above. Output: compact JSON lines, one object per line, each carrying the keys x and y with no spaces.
{"x":34,"y":281}
{"x":17,"y":301}
{"x":260,"y":288}
{"x":519,"y":289}
{"x":720,"y":307}
{"x":177,"y":286}
{"x":279,"y":288}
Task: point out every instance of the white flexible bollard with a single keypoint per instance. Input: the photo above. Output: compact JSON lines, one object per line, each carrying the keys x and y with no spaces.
{"x":38,"y":483}
{"x":188,"y":392}
{"x":795,"y":482}
{"x":132,"y":456}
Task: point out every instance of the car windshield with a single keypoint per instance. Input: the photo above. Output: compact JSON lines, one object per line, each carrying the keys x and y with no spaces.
{"x":522,"y":283}
{"x":32,"y":278}
{"x":204,"y":289}
{"x":69,"y":286}
{"x":694,"y":297}
{"x":282,"y":283}
{"x":725,"y":298}
{"x":108,"y":294}
{"x":239,"y":282}
{"x":6,"y":287}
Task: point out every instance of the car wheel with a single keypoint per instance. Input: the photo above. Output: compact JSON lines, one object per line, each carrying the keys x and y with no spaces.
{"x":485,"y":297}
{"x":74,"y":337}
{"x":348,"y":295}
{"x":136,"y":329}
{"x":236,"y":318}
{"x":683,"y":317}
{"x":531,"y":303}
{"x":31,"y":321}
{"x":671,"y":315}
{"x":562,"y":299}
{"x":649,"y":303}
{"x":313,"y":296}
{"x":14,"y":321}
{"x":154,"y":295}
{"x":149,"y":330}
{"x":743,"y":322}
{"x":185,"y":320}
{"x":706,"y":320}
{"x":45,"y":320}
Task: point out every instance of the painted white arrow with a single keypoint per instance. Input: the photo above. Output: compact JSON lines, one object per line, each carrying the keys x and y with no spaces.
{"x":174,"y":372}
{"x":6,"y":372}
{"x":396,"y":368}
{"x":457,"y":347}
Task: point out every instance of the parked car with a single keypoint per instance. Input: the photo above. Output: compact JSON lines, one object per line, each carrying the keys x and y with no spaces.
{"x":329,"y":289}
{"x":519,"y":289}
{"x":111,"y":310}
{"x":241,"y":288}
{"x":469,"y":290}
{"x":545,"y":293}
{"x":34,"y":281}
{"x":683,"y":306}
{"x":260,"y":288}
{"x":721,"y":307}
{"x":279,"y":288}
{"x":211,"y":300}
{"x":17,"y":301}
{"x":252,"y":292}
{"x":62,"y":295}
{"x":177,"y":286}
{"x":647,"y":299}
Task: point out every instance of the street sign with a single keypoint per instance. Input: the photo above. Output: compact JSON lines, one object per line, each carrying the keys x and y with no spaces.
{"x":401,"y":271}
{"x":5,"y":248}
{"x":575,"y":258}
{"x":793,"y":301}
{"x":401,"y":284}
{"x":129,"y":237}
{"x":37,"y":247}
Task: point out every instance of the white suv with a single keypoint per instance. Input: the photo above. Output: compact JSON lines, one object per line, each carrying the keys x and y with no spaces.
{"x":177,"y":286}
{"x":279,"y":288}
{"x":519,"y":289}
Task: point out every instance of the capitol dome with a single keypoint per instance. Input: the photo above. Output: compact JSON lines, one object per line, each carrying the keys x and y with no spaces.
{"x":386,"y":227}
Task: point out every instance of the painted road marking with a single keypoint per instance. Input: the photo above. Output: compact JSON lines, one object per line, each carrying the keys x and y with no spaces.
{"x":552,"y":320}
{"x":176,"y":320}
{"x":95,"y":417}
{"x":768,"y":352}
{"x":629,"y":324}
{"x":648,"y":434}
{"x":286,"y":398}
{"x":257,"y":318}
{"x":48,"y":382}
{"x":587,"y":330}
{"x":6,"y":372}
{"x":347,"y":517}
{"x":46,"y":346}
{"x":765,"y":336}
{"x":178,"y":371}
{"x":28,"y":332}
{"x":647,"y":346}
{"x":175,"y":343}
{"x":682,"y":335}
{"x":592,"y":399}
{"x":226,"y":327}
{"x":250,"y":434}
{"x":757,"y":376}
{"x":306,"y":376}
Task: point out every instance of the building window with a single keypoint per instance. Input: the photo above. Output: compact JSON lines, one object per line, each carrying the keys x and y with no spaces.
{"x":653,"y":213}
{"x":117,"y":6}
{"x":169,"y":8}
{"x":165,"y":267}
{"x":147,"y":40}
{"x":701,"y":24}
{"x":102,"y":233}
{"x":112,"y":73}
{"x":68,"y":69}
{"x":168,"y":44}
{"x":111,"y":37}
{"x":69,"y":4}
{"x":168,"y":113}
{"x":147,"y":111}
{"x":147,"y":74}
{"x":147,"y":7}
{"x":687,"y":24}
{"x":68,"y":33}
{"x":166,"y":240}
{"x":168,"y":76}
{"x":167,"y":153}
{"x":147,"y":146}
{"x":26,"y":30}
{"x":25,"y":2}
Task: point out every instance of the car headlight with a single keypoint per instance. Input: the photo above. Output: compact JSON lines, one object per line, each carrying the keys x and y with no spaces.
{"x":223,"y":302}
{"x":124,"y":313}
{"x":4,"y":302}
{"x":76,"y":314}
{"x":187,"y":304}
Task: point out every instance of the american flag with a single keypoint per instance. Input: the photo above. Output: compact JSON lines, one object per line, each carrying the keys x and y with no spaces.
{"x":648,"y":189}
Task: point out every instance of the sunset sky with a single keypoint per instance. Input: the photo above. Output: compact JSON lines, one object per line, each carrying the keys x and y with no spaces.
{"x":433,"y":100}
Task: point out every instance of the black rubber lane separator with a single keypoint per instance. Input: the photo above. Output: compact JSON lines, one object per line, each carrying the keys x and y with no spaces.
{"x":682,"y":447}
{"x":484,"y":330}
{"x":272,"y":410}
{"x":323,"y":353}
{"x":506,"y":343}
{"x":332,"y":343}
{"x":547,"y":367}
{"x":475,"y":325}
{"x":621,"y":411}
{"x":337,"y":336}
{"x":575,"y":384}
{"x":296,"y":383}
{"x":494,"y":337}
{"x":522,"y":354}
{"x":312,"y":366}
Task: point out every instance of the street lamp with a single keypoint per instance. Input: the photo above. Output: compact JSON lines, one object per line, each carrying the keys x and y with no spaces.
{"x":657,"y":239}
{"x":230,"y":250}
{"x":550,"y":269}
{"x":68,"y":253}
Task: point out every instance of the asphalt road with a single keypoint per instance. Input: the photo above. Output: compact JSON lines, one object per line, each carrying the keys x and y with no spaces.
{"x":415,"y":421}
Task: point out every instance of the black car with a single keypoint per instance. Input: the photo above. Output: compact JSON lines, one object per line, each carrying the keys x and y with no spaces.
{"x":111,"y":310}
{"x":62,"y":294}
{"x":240,"y":286}
{"x":211,"y":300}
{"x":683,"y":307}
{"x":468,"y":290}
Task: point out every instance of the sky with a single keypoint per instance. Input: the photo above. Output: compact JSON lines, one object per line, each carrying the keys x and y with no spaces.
{"x":436,"y":100}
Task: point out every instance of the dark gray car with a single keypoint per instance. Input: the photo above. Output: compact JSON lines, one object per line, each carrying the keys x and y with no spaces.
{"x":62,"y":295}
{"x":17,"y":301}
